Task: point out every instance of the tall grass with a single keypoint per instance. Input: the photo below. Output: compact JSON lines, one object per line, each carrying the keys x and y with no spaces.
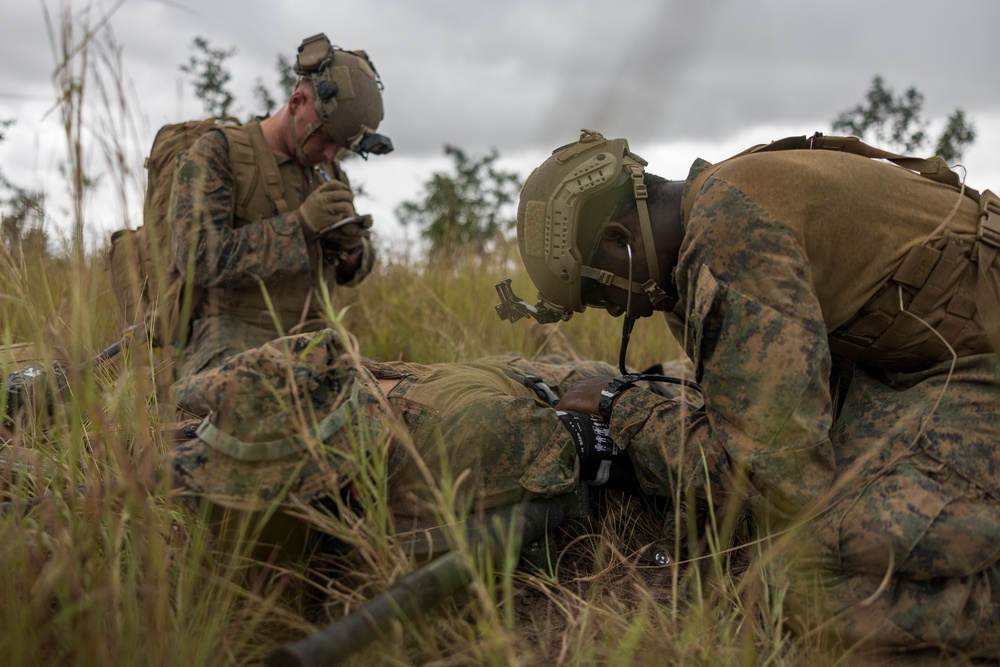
{"x":111,"y":569}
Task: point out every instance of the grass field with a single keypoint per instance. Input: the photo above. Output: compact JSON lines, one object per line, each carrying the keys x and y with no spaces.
{"x":110,"y":569}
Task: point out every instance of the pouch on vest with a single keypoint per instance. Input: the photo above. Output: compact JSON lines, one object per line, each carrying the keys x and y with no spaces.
{"x":952,"y":284}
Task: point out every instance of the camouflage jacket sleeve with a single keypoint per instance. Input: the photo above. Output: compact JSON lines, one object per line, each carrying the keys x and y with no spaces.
{"x":205,"y":236}
{"x":755,"y":331}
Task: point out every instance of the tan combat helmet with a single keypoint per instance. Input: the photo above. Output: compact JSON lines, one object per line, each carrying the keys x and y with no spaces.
{"x":348,"y":95}
{"x":564,"y":206}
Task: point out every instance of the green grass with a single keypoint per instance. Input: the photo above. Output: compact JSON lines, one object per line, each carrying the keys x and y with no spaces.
{"x":113,"y":569}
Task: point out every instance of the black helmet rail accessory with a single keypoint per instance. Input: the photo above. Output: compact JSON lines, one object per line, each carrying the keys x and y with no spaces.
{"x":348,"y":96}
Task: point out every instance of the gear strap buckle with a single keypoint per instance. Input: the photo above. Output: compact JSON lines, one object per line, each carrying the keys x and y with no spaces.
{"x":989,"y":219}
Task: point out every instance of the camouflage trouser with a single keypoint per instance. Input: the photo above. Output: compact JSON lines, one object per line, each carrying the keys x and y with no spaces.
{"x":477,"y":435}
{"x":215,"y":339}
{"x":909,"y":552}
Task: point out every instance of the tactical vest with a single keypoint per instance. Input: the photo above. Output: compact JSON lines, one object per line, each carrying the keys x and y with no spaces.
{"x":261,"y":193}
{"x":944,"y":294}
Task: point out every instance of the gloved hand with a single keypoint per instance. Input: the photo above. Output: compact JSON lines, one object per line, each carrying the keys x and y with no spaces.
{"x":351,"y":265}
{"x":327,"y":204}
{"x":349,"y":235}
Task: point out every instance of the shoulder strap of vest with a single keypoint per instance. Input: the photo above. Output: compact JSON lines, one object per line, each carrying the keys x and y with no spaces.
{"x":249,"y":149}
{"x":934,"y":168}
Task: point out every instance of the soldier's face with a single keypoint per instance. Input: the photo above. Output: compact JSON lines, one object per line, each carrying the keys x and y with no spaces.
{"x":613,"y":255}
{"x":319,"y":147}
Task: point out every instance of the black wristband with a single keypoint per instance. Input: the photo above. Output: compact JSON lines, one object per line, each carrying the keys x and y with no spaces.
{"x":613,"y":388}
{"x":602,"y":462}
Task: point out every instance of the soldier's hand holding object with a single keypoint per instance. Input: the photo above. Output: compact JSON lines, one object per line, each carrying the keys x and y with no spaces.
{"x":347,"y":233}
{"x":330,"y":203}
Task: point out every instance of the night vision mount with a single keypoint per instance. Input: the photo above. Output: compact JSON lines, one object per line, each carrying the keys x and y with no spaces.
{"x":512,"y":307}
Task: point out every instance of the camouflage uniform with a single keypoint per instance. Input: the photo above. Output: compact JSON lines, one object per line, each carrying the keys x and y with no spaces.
{"x":781,"y":250}
{"x":477,"y":425}
{"x":239,"y":243}
{"x":289,"y":421}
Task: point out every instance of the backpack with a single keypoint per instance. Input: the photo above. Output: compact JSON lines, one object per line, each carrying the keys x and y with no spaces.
{"x":148,"y":287}
{"x":291,"y":421}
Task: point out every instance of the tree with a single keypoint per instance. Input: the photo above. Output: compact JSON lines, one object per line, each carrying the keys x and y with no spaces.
{"x":471,"y":206}
{"x":22,"y":212}
{"x":286,"y":82}
{"x":22,"y":221}
{"x":211,"y":78}
{"x":958,"y":134}
{"x":896,"y":123}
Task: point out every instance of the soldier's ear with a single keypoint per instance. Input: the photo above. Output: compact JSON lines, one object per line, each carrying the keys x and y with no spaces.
{"x":617,"y":234}
{"x":298,"y":99}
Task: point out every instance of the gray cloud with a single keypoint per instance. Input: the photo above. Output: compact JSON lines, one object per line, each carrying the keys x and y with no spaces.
{"x":523,"y":76}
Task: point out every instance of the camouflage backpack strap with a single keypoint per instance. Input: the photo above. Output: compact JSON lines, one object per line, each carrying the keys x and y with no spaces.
{"x":272,"y":450}
{"x":253,"y":162}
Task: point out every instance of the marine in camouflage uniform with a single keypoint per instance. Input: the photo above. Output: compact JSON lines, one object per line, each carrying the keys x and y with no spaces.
{"x":252,"y":208}
{"x":825,"y":403}
{"x":234,"y":259}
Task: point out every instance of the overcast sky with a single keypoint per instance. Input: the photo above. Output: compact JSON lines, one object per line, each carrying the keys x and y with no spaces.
{"x":679,"y":79}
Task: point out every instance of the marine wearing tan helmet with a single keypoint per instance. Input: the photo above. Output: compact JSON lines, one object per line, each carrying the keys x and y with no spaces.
{"x":838,"y":304}
{"x":564,"y":206}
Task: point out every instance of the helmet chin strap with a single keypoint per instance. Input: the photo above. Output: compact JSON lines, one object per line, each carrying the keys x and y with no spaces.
{"x":650,"y":287}
{"x":299,"y":143}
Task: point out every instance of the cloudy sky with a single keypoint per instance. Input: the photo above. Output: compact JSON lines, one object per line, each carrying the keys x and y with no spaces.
{"x":680,"y":79}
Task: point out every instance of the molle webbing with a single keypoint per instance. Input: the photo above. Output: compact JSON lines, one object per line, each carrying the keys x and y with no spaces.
{"x":253,"y":161}
{"x":950,"y":284}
